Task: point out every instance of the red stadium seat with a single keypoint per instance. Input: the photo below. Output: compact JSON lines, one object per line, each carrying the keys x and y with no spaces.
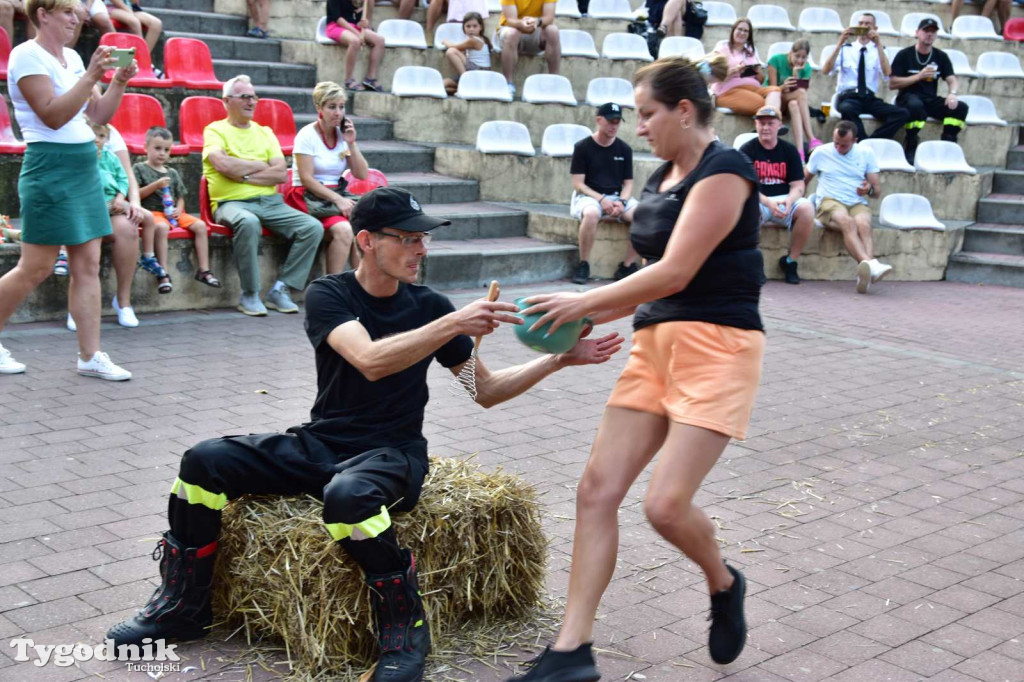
{"x":1014,"y":29}
{"x":195,"y":114}
{"x":137,"y":114}
{"x":374,"y":179}
{"x":5,"y":53}
{"x":145,"y":78}
{"x":278,"y":116}
{"x":206,"y":215}
{"x":9,"y":144}
{"x":187,"y":63}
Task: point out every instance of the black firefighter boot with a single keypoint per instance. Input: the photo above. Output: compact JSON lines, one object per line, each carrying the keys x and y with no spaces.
{"x":402,"y":630}
{"x":180,"y":607}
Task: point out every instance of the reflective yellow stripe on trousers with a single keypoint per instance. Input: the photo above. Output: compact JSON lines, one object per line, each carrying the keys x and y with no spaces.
{"x":371,"y":527}
{"x":196,"y":495}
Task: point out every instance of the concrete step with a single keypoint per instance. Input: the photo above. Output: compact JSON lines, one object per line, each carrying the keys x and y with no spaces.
{"x":1008,"y":182}
{"x":190,"y":5}
{"x":389,"y":156}
{"x":441,"y":191}
{"x":986,"y":268}
{"x":201,"y":22}
{"x":299,"y":76}
{"x":367,"y":128}
{"x":1006,"y":209}
{"x":1015,"y":158}
{"x":299,"y":99}
{"x":514,"y":260}
{"x":994,"y":238}
{"x":235,"y":47}
{"x":477,"y":220}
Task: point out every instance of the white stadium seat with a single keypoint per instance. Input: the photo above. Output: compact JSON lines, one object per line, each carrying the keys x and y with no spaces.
{"x":908,"y":27}
{"x":577,"y":43}
{"x":784,"y":46}
{"x":999,"y":65}
{"x":563,"y":8}
{"x":451,"y":31}
{"x":560,"y":139}
{"x":888,"y":153}
{"x":908,"y":211}
{"x":321,"y":33}
{"x":418,"y":81}
{"x":493,"y":7}
{"x":883,"y":22}
{"x":720,"y":13}
{"x":819,"y":20}
{"x":982,"y":111}
{"x":548,"y":88}
{"x":742,"y":139}
{"x":625,"y":46}
{"x":974,"y":28}
{"x":939,"y":156}
{"x":961,"y":65}
{"x":826,"y":52}
{"x":504,"y":137}
{"x":610,"y":9}
{"x":483,"y":84}
{"x":681,"y":46}
{"x":891,"y":52}
{"x":770,"y":16}
{"x":617,"y":90}
{"x":402,"y":33}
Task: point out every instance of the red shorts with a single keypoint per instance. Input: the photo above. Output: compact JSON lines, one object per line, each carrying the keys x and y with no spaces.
{"x":334,"y":31}
{"x":295,"y":196}
{"x":184,"y":220}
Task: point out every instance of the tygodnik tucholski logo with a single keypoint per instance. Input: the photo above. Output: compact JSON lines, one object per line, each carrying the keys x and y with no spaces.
{"x":151,"y":657}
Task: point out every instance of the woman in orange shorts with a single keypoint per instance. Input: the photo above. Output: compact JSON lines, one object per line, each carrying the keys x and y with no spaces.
{"x":693,"y":371}
{"x":742,"y":90}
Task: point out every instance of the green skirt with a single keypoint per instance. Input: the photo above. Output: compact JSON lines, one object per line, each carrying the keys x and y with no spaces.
{"x":61,"y":194}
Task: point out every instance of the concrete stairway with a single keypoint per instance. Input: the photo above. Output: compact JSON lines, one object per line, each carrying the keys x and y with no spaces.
{"x":993,"y":249}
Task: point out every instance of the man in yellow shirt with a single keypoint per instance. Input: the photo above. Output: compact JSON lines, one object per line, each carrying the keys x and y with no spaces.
{"x":528,"y":27}
{"x":243,"y":164}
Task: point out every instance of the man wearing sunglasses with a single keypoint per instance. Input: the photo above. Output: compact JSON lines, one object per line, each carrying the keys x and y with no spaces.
{"x":374,"y":333}
{"x":243,"y":164}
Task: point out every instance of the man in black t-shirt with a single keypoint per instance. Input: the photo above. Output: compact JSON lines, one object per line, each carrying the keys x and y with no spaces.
{"x":602,"y":182}
{"x":780,"y":176}
{"x":915,"y":73}
{"x":375,"y":334}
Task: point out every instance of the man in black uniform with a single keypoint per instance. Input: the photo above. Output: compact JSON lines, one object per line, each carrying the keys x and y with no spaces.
{"x":374,"y":333}
{"x":915,"y":73}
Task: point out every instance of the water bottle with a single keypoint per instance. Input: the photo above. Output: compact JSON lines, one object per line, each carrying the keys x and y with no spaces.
{"x":168,"y":206}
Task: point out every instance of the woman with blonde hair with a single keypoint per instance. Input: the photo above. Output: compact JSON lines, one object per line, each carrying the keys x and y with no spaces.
{"x":693,"y":371}
{"x":787,"y":71}
{"x":742,"y":89}
{"x":324,"y":149}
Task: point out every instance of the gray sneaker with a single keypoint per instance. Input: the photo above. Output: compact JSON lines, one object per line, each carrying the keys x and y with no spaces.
{"x":250,"y":304}
{"x":279,"y":300}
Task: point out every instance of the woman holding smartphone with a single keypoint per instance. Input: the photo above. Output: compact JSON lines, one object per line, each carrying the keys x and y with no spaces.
{"x":741,"y":90}
{"x":792,"y":73}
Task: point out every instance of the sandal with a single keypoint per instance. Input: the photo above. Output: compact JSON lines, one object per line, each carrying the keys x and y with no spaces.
{"x":207,"y":278}
{"x":371,"y":84}
{"x":351,"y":84}
{"x":164,"y":285}
{"x":60,"y":266}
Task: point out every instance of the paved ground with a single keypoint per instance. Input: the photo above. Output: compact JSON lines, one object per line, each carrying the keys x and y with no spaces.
{"x":876,"y":507}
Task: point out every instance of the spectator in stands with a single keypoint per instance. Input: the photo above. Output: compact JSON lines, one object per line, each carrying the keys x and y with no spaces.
{"x":50,"y":88}
{"x":793,"y":74}
{"x":92,"y":13}
{"x":134,"y":20}
{"x":471,"y":54}
{"x":155,"y":178}
{"x":862,"y":66}
{"x":457,"y":11}
{"x":666,"y":16}
{"x":780,"y":177}
{"x":324,"y":149}
{"x":243,"y":164}
{"x":741,"y":90}
{"x":528,"y":27}
{"x":1001,"y":7}
{"x":259,"y":16}
{"x":915,"y":73}
{"x":14,"y":8}
{"x":848,"y":175}
{"x":602,"y":182}
{"x":348,"y":24}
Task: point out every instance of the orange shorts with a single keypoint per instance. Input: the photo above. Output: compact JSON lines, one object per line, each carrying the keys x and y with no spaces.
{"x":184,"y":220}
{"x":694,"y":373}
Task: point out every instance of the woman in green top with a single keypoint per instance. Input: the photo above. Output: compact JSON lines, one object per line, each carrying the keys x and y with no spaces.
{"x":784,"y":70}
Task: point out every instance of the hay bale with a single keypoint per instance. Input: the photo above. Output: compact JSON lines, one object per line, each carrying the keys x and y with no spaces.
{"x":479,"y":549}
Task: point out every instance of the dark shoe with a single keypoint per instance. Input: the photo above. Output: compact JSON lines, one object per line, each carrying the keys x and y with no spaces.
{"x":401,"y":623}
{"x":180,"y":607}
{"x":256,"y":32}
{"x":789,"y":270}
{"x":728,"y":631}
{"x":582,"y":273}
{"x":562,"y":666}
{"x":625,"y":270}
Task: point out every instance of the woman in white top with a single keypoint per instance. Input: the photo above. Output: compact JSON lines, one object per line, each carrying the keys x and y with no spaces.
{"x":59,"y":186}
{"x":324,"y":149}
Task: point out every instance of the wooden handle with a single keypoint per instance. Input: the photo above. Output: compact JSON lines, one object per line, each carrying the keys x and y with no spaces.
{"x":492,"y":295}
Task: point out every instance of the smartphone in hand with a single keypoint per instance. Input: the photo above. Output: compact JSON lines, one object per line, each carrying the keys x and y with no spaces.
{"x":124,"y":57}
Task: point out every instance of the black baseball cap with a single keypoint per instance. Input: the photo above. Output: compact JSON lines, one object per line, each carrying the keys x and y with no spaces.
{"x":610,"y":111}
{"x":392,"y":207}
{"x":928,"y":24}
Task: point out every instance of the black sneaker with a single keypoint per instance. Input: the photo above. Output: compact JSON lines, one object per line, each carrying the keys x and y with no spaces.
{"x":582,"y":273}
{"x":728,"y":631}
{"x":625,"y":270}
{"x":561,"y":666}
{"x":789,"y":270}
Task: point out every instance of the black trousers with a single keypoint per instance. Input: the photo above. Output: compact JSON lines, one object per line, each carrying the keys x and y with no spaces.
{"x":356,"y":490}
{"x":851,"y":106}
{"x":921,"y":107}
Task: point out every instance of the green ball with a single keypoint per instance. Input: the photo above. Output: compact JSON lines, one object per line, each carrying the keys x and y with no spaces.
{"x":564,"y":338}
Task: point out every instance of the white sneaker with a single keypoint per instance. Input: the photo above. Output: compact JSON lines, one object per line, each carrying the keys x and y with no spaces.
{"x":125,"y":316}
{"x":250,"y":304}
{"x":863,"y":276}
{"x":101,"y":367}
{"x":512,"y":90}
{"x":8,"y":365}
{"x":279,"y":300}
{"x":878,"y":270}
{"x":72,"y":327}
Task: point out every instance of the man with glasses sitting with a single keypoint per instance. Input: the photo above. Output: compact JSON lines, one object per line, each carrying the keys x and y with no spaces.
{"x":243,"y":164}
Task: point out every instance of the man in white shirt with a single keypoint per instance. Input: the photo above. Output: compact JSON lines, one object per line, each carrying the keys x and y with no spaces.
{"x":861,"y":67}
{"x":848,"y":175}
